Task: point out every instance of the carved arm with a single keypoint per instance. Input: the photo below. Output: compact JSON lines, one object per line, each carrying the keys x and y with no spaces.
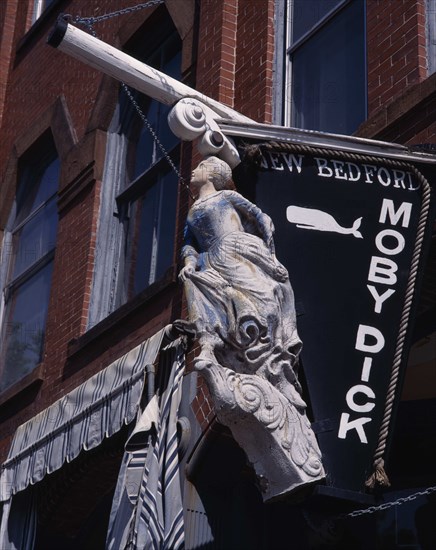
{"x":189,"y":254}
{"x":251,"y":213}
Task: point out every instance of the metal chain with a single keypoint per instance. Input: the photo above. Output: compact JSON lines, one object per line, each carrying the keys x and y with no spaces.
{"x":387,"y":505}
{"x":155,"y":137}
{"x":89,"y":23}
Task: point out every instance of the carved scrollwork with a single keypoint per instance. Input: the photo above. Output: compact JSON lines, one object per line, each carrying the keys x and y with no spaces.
{"x":187,"y":119}
{"x":249,"y":404}
{"x":191,"y":119}
{"x":253,"y":395}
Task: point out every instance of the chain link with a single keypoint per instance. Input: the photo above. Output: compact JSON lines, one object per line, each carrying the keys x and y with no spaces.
{"x":89,"y":22}
{"x":387,"y":505}
{"x":155,"y":137}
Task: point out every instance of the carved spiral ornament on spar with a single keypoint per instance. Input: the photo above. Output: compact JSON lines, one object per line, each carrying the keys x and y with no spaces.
{"x":272,"y":409}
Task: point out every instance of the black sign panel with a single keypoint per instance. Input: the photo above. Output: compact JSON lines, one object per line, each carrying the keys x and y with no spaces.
{"x":346,"y":232}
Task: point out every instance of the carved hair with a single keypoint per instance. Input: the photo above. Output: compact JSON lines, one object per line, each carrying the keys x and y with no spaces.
{"x":219,"y":172}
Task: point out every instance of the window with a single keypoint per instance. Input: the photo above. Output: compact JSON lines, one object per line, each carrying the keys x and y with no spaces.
{"x":150,"y":232}
{"x":148,"y":204}
{"x":39,"y":8}
{"x":28,"y":251}
{"x":135,"y":249}
{"x":326,"y":80}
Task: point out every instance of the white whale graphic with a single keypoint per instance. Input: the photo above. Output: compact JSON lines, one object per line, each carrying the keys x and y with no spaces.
{"x":310,"y":218}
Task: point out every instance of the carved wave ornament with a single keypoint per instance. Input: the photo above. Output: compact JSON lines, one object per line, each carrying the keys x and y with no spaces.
{"x":275,"y":434}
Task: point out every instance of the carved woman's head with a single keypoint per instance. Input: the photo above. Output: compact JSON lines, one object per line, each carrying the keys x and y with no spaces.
{"x":213,"y":170}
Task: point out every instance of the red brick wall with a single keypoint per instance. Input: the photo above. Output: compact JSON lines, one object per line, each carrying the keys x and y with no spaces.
{"x":72,"y":279}
{"x":396,"y":49}
{"x":255,"y":55}
{"x":8,"y":13}
{"x":217,"y":49}
{"x":235,"y":56}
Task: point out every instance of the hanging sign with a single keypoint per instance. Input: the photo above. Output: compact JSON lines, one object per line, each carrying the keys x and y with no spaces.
{"x":350,"y":234}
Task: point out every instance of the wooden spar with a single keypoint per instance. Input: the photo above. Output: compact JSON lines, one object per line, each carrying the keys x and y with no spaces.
{"x":107,"y":59}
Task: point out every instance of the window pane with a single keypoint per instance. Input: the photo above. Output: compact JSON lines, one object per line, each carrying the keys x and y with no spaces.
{"x":29,"y":263}
{"x":144,"y":150}
{"x":328,"y":79}
{"x":147,"y":151}
{"x":307,"y":13}
{"x":36,"y":186}
{"x":25,"y":327}
{"x":144,"y":147}
{"x":167,"y":223}
{"x":151,"y":233}
{"x":48,"y":183}
{"x":149,"y":212}
{"x":171,"y":66}
{"x":173,"y":61}
{"x":35,"y":238}
{"x":165,"y":135}
{"x":143,"y":239}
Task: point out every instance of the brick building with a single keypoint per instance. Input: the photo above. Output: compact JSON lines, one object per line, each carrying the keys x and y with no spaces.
{"x":92,"y":218}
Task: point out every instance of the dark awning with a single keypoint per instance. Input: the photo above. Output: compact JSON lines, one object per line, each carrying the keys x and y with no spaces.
{"x":80,"y":420}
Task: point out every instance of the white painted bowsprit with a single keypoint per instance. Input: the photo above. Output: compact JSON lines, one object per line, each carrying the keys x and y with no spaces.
{"x":194,"y":118}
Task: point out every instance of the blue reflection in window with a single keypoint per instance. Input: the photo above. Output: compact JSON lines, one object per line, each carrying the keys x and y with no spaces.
{"x":24,"y":329}
{"x":307,"y":13}
{"x":30,"y":265}
{"x":151,"y":233}
{"x":328,"y":75}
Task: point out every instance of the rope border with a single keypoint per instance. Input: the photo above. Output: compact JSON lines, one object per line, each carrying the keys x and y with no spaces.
{"x":252,"y":153}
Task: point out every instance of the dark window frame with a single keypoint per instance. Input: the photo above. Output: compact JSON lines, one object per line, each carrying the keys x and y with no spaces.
{"x":294,"y":47}
{"x":317,"y":27}
{"x":157,"y":166}
{"x":134,"y":192}
{"x":36,"y":160}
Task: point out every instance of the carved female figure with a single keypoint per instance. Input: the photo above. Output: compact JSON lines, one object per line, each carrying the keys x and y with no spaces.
{"x":241,"y":304}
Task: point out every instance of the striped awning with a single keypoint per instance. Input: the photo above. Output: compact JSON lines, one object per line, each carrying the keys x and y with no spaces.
{"x":79,"y":420}
{"x":147,"y":510}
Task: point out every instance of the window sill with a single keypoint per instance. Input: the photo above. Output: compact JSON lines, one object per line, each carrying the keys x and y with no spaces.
{"x":33,"y":378}
{"x":121,"y":315}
